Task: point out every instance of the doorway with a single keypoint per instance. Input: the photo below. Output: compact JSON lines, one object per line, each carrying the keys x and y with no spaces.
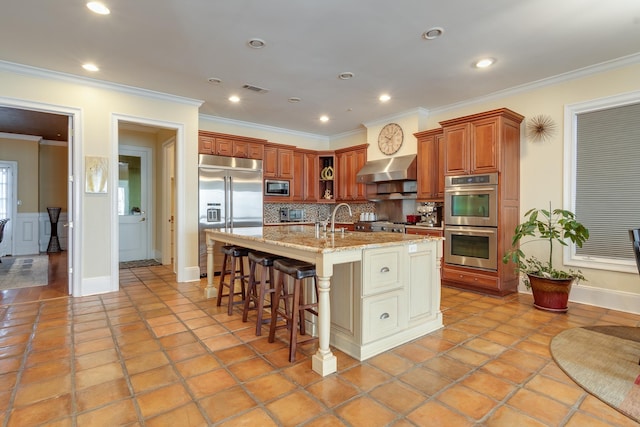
{"x":144,"y":200}
{"x":52,"y":125}
{"x":135,"y":203}
{"x":8,"y":202}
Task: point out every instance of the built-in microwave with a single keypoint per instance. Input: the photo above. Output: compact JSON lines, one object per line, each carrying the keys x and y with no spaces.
{"x":274,"y":187}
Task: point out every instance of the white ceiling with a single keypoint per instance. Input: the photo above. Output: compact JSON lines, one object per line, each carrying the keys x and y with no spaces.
{"x":174,"y":46}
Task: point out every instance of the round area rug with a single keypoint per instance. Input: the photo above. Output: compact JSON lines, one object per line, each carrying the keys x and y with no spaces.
{"x":604,"y":361}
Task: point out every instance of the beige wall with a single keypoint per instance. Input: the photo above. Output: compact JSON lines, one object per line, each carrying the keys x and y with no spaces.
{"x":97,"y":104}
{"x":53,"y":173}
{"x":25,"y":153}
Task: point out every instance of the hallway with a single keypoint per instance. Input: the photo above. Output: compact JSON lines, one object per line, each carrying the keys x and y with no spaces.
{"x":56,"y":288}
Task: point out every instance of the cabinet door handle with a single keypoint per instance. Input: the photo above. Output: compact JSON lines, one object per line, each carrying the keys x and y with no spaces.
{"x":384,"y":316}
{"x":384,"y":270}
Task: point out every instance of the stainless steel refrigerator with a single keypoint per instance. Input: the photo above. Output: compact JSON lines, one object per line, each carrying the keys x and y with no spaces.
{"x":229,"y":196}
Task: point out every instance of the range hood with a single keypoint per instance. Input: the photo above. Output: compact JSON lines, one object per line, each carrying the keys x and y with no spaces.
{"x":399,"y":168}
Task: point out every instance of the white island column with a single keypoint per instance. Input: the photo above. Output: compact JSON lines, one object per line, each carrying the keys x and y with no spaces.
{"x":324,"y":362}
{"x":210,"y":291}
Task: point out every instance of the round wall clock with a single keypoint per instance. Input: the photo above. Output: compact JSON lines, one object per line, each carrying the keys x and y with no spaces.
{"x":390,"y":138}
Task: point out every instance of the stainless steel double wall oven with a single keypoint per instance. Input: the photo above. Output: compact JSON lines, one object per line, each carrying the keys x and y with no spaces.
{"x":471,"y":221}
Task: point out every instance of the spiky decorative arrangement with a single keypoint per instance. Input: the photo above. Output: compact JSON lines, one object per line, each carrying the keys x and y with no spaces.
{"x":541,"y":128}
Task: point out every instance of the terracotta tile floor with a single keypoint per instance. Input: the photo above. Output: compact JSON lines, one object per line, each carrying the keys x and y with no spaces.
{"x":156,"y":353}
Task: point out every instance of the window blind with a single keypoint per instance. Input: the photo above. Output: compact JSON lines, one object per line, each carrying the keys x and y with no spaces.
{"x":608,"y":179}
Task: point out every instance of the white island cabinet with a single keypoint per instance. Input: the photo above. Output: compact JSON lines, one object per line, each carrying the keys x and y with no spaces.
{"x":375,"y":290}
{"x":397,"y":300}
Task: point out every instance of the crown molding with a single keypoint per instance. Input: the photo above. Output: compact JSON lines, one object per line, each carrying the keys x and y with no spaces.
{"x":266,"y":128}
{"x":550,"y":81}
{"x":34,"y":138}
{"x":418,"y":111}
{"x":30,"y":71}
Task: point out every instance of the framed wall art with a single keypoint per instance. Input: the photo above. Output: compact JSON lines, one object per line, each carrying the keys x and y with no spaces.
{"x":96,"y":174}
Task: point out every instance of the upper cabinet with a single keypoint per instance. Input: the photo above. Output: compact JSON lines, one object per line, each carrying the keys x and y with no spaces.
{"x":220,"y":144}
{"x":430,"y":164}
{"x":481,"y":143}
{"x":304,"y":184}
{"x":311,"y":173}
{"x":278,"y":162}
{"x":349,"y":162}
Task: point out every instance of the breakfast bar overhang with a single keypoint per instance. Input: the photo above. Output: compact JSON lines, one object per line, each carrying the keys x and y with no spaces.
{"x":394,"y":292}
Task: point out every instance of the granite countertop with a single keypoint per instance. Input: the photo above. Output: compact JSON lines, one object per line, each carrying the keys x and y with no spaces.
{"x":303,"y":237}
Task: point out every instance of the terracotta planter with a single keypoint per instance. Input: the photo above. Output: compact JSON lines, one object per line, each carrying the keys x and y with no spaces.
{"x":550,"y":294}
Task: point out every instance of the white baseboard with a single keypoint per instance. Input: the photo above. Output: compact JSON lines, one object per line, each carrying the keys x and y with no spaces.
{"x":96,"y":285}
{"x":189,"y":274}
{"x":605,"y":298}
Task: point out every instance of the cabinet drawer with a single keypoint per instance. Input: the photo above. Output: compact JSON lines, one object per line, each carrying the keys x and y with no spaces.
{"x":382,"y":270}
{"x":471,"y":279}
{"x":381,"y":315}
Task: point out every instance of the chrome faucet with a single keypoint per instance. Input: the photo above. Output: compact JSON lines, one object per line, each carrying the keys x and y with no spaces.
{"x":333,"y":215}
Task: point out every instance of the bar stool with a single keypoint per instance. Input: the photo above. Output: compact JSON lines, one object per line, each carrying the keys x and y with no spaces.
{"x":258,"y":290}
{"x":293,"y":315}
{"x":233,"y":255}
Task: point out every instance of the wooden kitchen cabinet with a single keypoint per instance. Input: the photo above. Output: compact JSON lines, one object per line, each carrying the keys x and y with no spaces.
{"x":481,"y":143}
{"x":424,"y":231}
{"x":311,"y":175}
{"x":278,"y":162}
{"x":206,"y":144}
{"x":230,"y":145}
{"x":349,"y":162}
{"x":248,"y":150}
{"x":296,"y":188}
{"x":430,"y":165}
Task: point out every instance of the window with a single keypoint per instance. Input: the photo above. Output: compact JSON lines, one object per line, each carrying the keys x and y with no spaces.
{"x":603,"y":146}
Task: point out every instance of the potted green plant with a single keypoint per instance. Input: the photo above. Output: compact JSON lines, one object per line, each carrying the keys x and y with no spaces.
{"x":550,"y":286}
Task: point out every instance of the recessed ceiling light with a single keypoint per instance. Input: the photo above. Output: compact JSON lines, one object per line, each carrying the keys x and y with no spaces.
{"x":345,"y":76}
{"x":99,"y":8}
{"x":384,"y":97}
{"x":214,"y":80}
{"x":234,"y":98}
{"x":433,"y":33}
{"x":324,"y":118}
{"x":486,"y":62}
{"x":90,"y":67}
{"x":294,"y":99}
{"x":256,"y":43}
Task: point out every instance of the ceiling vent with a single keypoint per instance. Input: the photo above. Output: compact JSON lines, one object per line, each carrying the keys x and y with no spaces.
{"x":255,"y":88}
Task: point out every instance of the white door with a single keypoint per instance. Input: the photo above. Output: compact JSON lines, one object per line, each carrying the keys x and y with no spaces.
{"x":8,"y":184}
{"x":133,"y":202}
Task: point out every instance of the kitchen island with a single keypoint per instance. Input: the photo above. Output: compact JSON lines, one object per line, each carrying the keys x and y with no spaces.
{"x":375,"y":290}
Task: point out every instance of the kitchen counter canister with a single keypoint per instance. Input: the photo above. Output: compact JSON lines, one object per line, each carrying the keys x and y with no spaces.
{"x":375,"y":290}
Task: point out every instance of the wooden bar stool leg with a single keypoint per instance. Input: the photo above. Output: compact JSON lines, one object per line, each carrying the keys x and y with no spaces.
{"x":223,"y":274}
{"x":295,"y":318}
{"x":251,"y":292}
{"x":261,"y":295}
{"x":274,"y":307}
{"x":232,"y":285}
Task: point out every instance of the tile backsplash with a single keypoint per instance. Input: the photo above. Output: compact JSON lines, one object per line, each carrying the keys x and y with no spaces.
{"x":316,"y":212}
